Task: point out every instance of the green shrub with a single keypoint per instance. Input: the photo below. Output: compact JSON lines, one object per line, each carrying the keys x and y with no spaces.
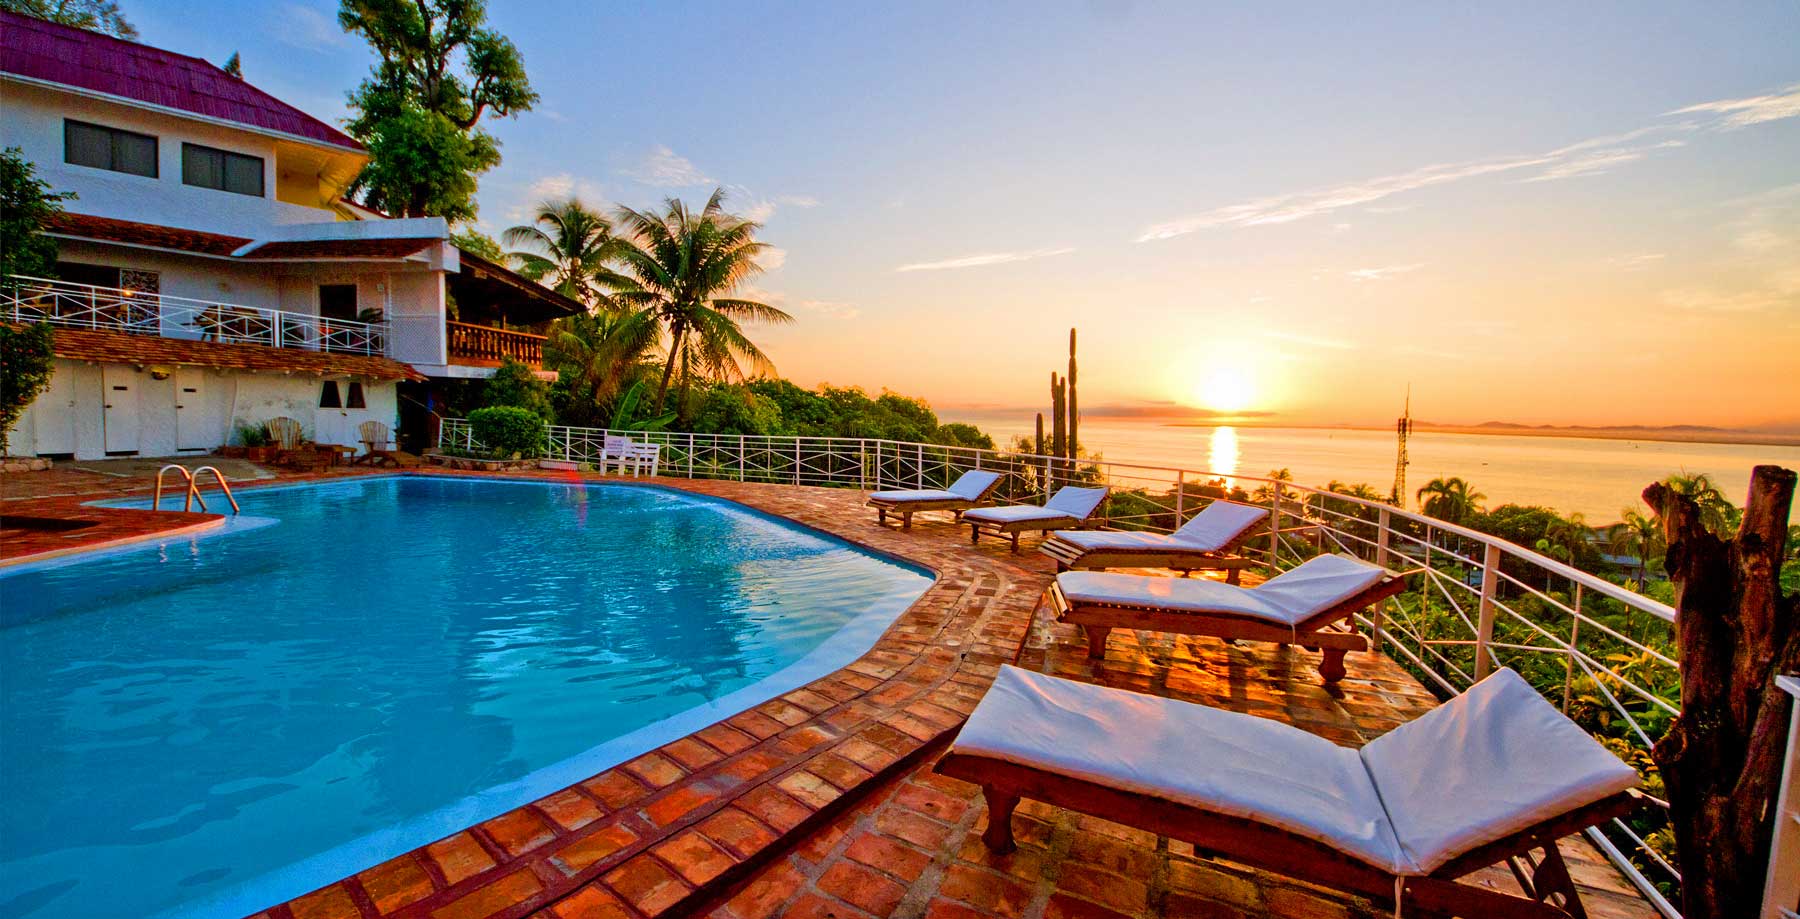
{"x":509,"y":431}
{"x":514,"y":384}
{"x":25,"y":369}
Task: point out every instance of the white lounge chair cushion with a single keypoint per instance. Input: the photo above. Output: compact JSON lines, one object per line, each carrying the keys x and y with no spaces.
{"x":974,"y":483}
{"x":1224,"y":762}
{"x":907,"y":497}
{"x":1211,"y":530}
{"x":1484,"y":765}
{"x":1077,"y":502}
{"x":1019,"y":513}
{"x":1288,"y":599}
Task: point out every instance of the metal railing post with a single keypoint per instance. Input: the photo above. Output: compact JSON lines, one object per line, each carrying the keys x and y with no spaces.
{"x":796,"y":460}
{"x":1383,"y":520}
{"x":1180,"y":496}
{"x":862,"y":463}
{"x":1569,"y":658}
{"x":1484,"y":629}
{"x":919,"y":469}
{"x":1275,"y":527}
{"x":740,"y":458}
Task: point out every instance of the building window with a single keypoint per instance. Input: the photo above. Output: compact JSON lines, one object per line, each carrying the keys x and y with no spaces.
{"x":109,"y":148}
{"x":355,"y":399}
{"x":328,"y":395}
{"x":337,"y":301}
{"x":205,"y":167}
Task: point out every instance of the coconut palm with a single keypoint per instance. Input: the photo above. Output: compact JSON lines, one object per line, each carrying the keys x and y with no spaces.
{"x":597,"y":354}
{"x":1450,"y":499}
{"x":1563,"y":539}
{"x":571,"y":249}
{"x":684,"y":266}
{"x":1717,"y":513}
{"x":1639,"y":535}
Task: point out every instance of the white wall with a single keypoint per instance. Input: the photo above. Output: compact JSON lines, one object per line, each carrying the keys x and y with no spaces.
{"x":34,"y":122}
{"x":228,"y":398}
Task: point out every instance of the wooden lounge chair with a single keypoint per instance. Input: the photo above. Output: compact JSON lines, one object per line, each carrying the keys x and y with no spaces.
{"x":1070,"y":507}
{"x":971,"y":489}
{"x":1209,"y":541}
{"x":378,"y":444}
{"x":1494,"y":775}
{"x":1300,"y":606}
{"x":286,"y":435}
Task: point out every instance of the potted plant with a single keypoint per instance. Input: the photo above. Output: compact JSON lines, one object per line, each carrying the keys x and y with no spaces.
{"x":257,"y":448}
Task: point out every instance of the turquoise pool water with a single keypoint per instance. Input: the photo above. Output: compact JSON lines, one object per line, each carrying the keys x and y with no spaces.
{"x":210,"y":725}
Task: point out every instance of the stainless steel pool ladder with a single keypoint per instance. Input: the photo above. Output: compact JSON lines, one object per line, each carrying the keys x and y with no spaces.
{"x":193,"y":487}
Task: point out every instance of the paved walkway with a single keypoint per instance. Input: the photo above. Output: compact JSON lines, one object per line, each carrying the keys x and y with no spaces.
{"x":821,"y":802}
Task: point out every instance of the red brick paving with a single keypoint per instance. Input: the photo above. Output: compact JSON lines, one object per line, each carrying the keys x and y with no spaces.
{"x":821,"y":802}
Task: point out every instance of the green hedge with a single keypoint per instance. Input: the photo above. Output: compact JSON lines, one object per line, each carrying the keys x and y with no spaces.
{"x":509,"y":431}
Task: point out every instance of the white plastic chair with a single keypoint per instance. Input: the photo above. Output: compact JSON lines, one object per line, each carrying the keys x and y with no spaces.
{"x":615,"y":451}
{"x":645,"y":455}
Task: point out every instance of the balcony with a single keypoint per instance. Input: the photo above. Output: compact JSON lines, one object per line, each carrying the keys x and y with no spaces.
{"x":485,"y":346}
{"x":112,"y":309}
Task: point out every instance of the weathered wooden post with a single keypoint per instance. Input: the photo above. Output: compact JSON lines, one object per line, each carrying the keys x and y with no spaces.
{"x":1721,"y":759}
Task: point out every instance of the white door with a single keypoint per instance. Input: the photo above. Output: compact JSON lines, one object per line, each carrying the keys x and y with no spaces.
{"x":53,"y":414}
{"x":119,"y":390}
{"x":194,"y":428}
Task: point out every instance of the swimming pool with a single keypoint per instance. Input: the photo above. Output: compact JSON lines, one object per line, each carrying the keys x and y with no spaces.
{"x":213,"y":724}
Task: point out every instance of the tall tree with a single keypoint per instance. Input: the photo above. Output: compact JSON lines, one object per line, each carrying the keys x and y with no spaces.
{"x":596,"y":355}
{"x":684,"y":266}
{"x":572,"y":249}
{"x":1450,"y":498}
{"x":234,"y":65}
{"x":439,"y":72}
{"x":26,"y":204}
{"x":101,"y":16}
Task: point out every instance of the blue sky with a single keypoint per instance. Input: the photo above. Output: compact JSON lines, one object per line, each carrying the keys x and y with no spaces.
{"x":1294,"y":208}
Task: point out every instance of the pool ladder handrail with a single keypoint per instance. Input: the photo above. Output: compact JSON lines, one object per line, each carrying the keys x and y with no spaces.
{"x":193,"y":487}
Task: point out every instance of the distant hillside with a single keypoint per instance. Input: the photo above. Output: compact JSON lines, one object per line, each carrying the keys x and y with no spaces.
{"x":1679,"y":433}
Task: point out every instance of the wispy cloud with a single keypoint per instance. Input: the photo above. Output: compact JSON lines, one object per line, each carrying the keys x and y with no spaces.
{"x":664,"y":168}
{"x":1635,"y":262}
{"x":772,"y":257}
{"x":985,"y":259}
{"x":1311,"y":341}
{"x":554,"y":188}
{"x":302,"y":26}
{"x":1582,"y":158}
{"x":829,"y":309}
{"x":797,"y":200}
{"x":1383,"y":273}
{"x":1741,"y":113}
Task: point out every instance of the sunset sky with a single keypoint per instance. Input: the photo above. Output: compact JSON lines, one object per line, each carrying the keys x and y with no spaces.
{"x":1546,"y":213}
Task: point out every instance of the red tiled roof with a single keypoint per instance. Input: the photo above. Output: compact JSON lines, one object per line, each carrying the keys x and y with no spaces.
{"x":340,"y":248}
{"x":125,"y":348}
{"x":40,"y":50}
{"x":144,"y":234}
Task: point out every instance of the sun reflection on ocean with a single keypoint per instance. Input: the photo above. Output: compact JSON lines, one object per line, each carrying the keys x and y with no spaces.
{"x":1223,"y":457}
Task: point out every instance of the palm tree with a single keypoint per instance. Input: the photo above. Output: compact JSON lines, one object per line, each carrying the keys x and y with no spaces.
{"x":1717,"y":513}
{"x":1563,"y":539}
{"x":570,"y":249}
{"x":1640,"y":535}
{"x":1450,"y":499}
{"x":684,"y":267}
{"x":597,"y":353}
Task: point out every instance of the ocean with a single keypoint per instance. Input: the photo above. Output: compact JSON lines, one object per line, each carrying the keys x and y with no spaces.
{"x":1594,"y":476}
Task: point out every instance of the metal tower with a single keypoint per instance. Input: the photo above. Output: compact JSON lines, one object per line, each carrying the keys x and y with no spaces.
{"x":1402,"y":427}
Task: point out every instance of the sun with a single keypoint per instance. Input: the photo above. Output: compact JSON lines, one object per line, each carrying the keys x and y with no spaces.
{"x":1227,"y":389}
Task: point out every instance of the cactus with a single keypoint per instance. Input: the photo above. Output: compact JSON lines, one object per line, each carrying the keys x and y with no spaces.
{"x":1074,"y":414}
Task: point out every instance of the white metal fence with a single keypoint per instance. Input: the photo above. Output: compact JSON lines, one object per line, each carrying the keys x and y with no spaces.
{"x":1599,"y":651}
{"x":113,"y":309}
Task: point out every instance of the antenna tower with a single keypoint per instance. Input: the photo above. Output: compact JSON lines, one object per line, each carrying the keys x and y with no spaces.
{"x":1402,"y":427}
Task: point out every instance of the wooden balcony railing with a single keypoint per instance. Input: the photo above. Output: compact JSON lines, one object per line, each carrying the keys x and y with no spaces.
{"x":483,"y":345}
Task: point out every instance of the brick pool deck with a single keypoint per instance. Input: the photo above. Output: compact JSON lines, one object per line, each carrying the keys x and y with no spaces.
{"x":821,"y":802}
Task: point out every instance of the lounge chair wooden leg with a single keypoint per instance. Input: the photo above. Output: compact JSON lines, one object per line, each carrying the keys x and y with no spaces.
{"x":1232,"y":575}
{"x":999,"y":834}
{"x":1332,"y":667}
{"x":1548,"y":881}
{"x":881,"y":516}
{"x":958,"y":515}
{"x":1015,"y":543}
{"x":1096,"y":635}
{"x":906,"y":520}
{"x":974,"y":534}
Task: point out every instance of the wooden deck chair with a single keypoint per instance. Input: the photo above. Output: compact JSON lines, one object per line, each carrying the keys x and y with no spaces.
{"x":1304,"y":606}
{"x":1209,"y":541}
{"x":287,"y":436}
{"x":1070,"y":507}
{"x":378,"y":444}
{"x":971,"y":489}
{"x":284,"y":433}
{"x":1494,"y":775}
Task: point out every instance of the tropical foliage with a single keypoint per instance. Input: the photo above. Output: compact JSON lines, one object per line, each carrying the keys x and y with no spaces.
{"x":1450,"y":499}
{"x":685,"y":266}
{"x":101,"y":16}
{"x":26,"y":204}
{"x":25,"y":369}
{"x":439,"y":71}
{"x":569,"y":249}
{"x":508,"y":431}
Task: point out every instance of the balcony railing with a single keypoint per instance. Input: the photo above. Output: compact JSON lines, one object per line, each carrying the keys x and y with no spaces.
{"x":114,"y":309}
{"x":487,"y":345}
{"x":1599,"y":651}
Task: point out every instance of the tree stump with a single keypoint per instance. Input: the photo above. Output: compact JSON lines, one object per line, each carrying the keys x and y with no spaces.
{"x":1722,"y":757}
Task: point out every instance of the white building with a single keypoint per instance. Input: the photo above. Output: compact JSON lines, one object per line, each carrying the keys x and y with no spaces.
{"x":210,"y":273}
